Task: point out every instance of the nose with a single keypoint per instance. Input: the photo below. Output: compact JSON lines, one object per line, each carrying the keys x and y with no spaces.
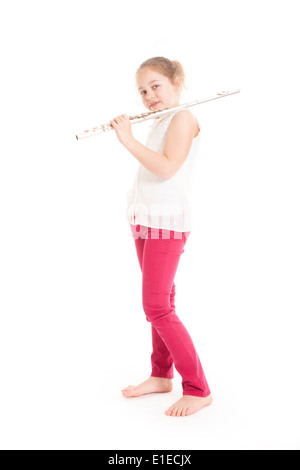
{"x":150,"y":97}
{"x":150,"y":100}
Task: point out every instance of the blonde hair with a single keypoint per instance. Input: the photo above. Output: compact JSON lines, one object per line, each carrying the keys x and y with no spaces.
{"x":169,"y":68}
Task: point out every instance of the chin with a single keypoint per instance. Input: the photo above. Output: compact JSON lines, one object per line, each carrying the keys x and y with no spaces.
{"x":160,"y":107}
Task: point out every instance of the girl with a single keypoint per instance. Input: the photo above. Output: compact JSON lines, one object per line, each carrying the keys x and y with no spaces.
{"x":160,"y":216}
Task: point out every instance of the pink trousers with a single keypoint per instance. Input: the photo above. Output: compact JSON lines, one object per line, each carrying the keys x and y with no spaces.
{"x":159,"y":252}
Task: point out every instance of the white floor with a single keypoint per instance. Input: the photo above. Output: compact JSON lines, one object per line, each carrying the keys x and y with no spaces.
{"x":63,"y":392}
{"x":73,"y":334}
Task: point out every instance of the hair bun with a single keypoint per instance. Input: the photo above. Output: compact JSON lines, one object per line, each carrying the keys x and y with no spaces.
{"x":167,"y":67}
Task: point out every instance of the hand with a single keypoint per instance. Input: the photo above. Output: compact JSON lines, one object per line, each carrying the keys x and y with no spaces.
{"x":122,"y":126}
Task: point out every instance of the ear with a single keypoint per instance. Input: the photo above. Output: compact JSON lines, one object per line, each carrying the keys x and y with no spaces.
{"x":178,"y":83}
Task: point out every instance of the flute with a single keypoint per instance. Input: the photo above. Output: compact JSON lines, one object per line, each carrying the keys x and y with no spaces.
{"x":153,"y":114}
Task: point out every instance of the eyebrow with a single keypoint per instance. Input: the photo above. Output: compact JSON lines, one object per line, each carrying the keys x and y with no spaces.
{"x":149,"y":83}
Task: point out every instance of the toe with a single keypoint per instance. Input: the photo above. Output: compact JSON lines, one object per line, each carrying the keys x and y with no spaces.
{"x":178,"y":413}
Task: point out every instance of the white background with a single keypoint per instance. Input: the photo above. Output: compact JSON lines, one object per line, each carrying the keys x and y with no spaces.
{"x":73,"y":331}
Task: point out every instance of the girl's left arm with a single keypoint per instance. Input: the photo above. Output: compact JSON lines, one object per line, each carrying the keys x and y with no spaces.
{"x":178,"y":143}
{"x":155,"y":162}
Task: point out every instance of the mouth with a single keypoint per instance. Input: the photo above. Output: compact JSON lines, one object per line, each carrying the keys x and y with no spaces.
{"x":152,"y":105}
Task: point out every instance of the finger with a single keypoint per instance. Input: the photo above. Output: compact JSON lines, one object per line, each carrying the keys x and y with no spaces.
{"x":116,"y":121}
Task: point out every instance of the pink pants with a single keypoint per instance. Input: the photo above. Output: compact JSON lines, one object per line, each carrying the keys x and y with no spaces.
{"x":159,"y":252}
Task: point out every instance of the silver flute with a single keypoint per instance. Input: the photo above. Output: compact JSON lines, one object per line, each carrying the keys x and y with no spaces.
{"x":153,"y":114}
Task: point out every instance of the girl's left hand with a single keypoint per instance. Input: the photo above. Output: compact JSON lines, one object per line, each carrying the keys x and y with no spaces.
{"x":122,"y":126}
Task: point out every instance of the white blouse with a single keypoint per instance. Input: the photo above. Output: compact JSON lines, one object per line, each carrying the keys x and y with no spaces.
{"x":158,"y":203}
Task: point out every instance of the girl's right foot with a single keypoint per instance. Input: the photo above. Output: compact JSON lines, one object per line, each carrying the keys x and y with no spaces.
{"x":151,"y":385}
{"x":188,"y":404}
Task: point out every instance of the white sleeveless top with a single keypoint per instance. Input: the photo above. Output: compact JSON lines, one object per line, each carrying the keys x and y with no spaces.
{"x":158,"y":203}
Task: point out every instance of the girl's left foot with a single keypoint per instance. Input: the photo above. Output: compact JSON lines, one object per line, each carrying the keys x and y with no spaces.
{"x":188,"y":405}
{"x":151,"y":385}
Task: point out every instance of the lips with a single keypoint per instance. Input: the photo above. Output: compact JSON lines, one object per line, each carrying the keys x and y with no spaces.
{"x":154,"y":104}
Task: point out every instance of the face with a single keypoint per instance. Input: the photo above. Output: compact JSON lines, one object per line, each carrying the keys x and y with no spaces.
{"x":156,"y":90}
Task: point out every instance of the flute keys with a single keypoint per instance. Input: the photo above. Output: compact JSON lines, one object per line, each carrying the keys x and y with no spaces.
{"x":156,"y":114}
{"x":106,"y":127}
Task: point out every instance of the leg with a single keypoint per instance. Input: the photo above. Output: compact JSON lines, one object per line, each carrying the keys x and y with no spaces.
{"x":160,"y":261}
{"x":161,"y":360}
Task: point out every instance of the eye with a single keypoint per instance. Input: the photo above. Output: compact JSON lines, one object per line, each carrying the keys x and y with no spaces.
{"x":143,"y":92}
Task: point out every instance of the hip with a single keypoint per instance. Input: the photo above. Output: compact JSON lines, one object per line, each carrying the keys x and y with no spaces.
{"x":144,"y":232}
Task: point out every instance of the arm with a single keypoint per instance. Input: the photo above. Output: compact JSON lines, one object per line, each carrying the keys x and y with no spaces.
{"x":155,"y":162}
{"x":178,"y":143}
{"x":179,"y":139}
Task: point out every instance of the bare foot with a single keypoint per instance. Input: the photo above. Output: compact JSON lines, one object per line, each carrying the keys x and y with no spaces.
{"x":151,"y":385}
{"x":188,"y":405}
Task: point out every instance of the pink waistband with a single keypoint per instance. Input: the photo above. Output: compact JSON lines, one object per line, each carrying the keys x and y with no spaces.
{"x":141,"y":231}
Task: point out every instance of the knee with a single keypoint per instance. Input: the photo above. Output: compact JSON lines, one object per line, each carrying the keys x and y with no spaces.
{"x":154,"y":312}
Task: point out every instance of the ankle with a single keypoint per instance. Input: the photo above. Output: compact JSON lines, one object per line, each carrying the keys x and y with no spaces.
{"x":169,"y":379}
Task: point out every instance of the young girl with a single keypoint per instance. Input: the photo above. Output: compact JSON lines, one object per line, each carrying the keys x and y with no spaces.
{"x":160,"y":216}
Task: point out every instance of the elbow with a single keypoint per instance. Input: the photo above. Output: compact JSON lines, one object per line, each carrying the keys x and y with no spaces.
{"x":167,"y":177}
{"x":169,"y":174}
{"x":167,"y":170}
{"x":164,"y":176}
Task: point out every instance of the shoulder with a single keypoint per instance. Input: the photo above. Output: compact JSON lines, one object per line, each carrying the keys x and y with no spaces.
{"x":183,"y":115}
{"x":184,"y":120}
